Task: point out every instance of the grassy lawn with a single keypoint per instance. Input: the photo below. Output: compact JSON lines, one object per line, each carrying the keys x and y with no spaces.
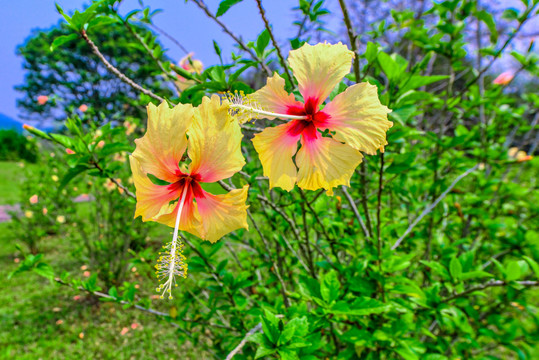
{"x":11,"y":175}
{"x":43,"y":320}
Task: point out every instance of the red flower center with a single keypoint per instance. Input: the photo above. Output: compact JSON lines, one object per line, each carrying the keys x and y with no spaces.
{"x":189,"y":183}
{"x":315,"y":119}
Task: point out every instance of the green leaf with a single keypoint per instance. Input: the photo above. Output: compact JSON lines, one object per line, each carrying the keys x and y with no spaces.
{"x":71,"y":174}
{"x":475,"y":275}
{"x":389,"y":66}
{"x":487,"y":18}
{"x":371,"y":52}
{"x":533,"y":264}
{"x":269,"y":327}
{"x":455,"y":268}
{"x":513,"y":271}
{"x":63,"y":140}
{"x":114,"y":148}
{"x":60,"y":40}
{"x":262,"y":42}
{"x":45,"y":270}
{"x":360,"y":307}
{"x":416,"y":81}
{"x":263,"y":351}
{"x":401,"y":162}
{"x":217,"y":48}
{"x":329,"y":288}
{"x":288,"y":354}
{"x":225,"y":5}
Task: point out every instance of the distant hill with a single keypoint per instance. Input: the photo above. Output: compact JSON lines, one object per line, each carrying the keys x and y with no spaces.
{"x":8,"y":123}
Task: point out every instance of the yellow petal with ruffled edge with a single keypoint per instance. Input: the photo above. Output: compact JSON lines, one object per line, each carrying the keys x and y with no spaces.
{"x":214,"y":142}
{"x":275,"y":148}
{"x":221,"y":214}
{"x":274,"y":98}
{"x":319,"y":68}
{"x":189,"y":220}
{"x":152,"y":199}
{"x":162,"y":147}
{"x":358,"y":118}
{"x":326,"y":163}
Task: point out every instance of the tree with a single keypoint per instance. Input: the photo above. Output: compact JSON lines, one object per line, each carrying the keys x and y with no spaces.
{"x":72,"y":75}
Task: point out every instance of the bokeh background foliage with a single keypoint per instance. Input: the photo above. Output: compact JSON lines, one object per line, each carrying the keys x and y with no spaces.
{"x":431,"y":253}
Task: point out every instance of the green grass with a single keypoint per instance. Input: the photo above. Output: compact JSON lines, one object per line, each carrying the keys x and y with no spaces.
{"x":42,"y":320}
{"x":31,"y":307}
{"x":12,"y":174}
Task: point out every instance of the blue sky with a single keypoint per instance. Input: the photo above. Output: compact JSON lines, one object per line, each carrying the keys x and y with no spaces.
{"x":185,"y":22}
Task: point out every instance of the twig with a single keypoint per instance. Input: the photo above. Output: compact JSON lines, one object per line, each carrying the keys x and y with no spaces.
{"x":355,"y":210}
{"x":486,"y":285}
{"x":125,"y":189}
{"x":429,"y":208}
{"x":117,"y":72}
{"x":123,"y":302}
{"x":379,"y":223}
{"x":167,"y":35}
{"x":242,"y":343}
{"x":275,"y":44}
{"x":203,"y":7}
{"x":277,"y":268}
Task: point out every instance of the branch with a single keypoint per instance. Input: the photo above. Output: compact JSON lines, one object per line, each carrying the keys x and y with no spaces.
{"x":277,"y":268}
{"x":275,"y":44}
{"x":355,"y":210}
{"x":123,"y":302}
{"x":429,"y":208}
{"x":202,"y":5}
{"x":125,"y":189}
{"x":491,"y":283}
{"x":242,"y":343}
{"x":117,"y":72}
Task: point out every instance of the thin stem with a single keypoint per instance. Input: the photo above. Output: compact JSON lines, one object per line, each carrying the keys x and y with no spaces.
{"x":489,"y":284}
{"x":125,"y":189}
{"x":356,"y":211}
{"x":117,"y":72}
{"x":242,"y":343}
{"x":203,"y":7}
{"x":167,"y":35}
{"x":429,"y":208}
{"x":274,"y":42}
{"x":378,"y":220}
{"x":277,"y":268}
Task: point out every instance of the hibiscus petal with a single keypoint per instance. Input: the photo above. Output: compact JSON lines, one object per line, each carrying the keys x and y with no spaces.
{"x":276,"y":147}
{"x":189,"y":220}
{"x":358,"y":118}
{"x":325,"y":163}
{"x":160,"y":150}
{"x":214,"y":142}
{"x":221,"y":214}
{"x":319,"y":69}
{"x":274,"y":98}
{"x":151,"y":199}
